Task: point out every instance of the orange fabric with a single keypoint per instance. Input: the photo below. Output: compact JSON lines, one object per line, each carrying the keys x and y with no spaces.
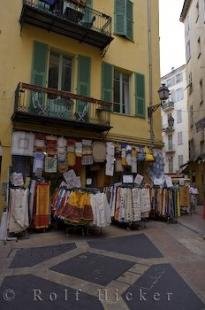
{"x":42,"y":211}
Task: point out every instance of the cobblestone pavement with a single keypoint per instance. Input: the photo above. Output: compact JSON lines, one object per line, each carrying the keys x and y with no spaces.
{"x":160,"y":267}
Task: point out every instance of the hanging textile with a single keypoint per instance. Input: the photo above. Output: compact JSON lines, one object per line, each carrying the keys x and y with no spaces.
{"x":22,"y":143}
{"x":51,"y":164}
{"x":80,"y":207}
{"x":42,"y":210}
{"x":129,"y":205}
{"x":100,"y":209}
{"x":18,"y":211}
{"x":165,"y":203}
{"x":110,"y":152}
{"x":99,"y":152}
{"x":51,"y":145}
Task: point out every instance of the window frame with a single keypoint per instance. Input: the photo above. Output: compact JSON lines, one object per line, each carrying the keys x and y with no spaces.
{"x":121,"y":74}
{"x":60,"y":67}
{"x":180,"y":160}
{"x":179,"y":116}
{"x":180,"y":138}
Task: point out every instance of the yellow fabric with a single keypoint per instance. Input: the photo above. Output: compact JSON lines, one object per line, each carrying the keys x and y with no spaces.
{"x":148,"y":154}
{"x":71,"y":159}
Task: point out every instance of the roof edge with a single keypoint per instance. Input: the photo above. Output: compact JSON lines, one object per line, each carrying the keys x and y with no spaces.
{"x":185,"y":10}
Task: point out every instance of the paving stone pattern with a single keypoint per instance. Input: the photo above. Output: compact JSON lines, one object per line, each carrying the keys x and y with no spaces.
{"x":94,"y":268}
{"x":32,"y":256}
{"x":49,"y":277}
{"x":161,"y":288}
{"x":136,"y":245}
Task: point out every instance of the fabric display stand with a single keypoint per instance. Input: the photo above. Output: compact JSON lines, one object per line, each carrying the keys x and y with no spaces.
{"x":165,"y":203}
{"x":130,"y":206}
{"x":81,"y":208}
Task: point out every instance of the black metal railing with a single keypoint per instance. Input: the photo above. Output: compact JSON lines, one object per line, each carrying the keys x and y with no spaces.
{"x":76,"y":12}
{"x":52,"y":103}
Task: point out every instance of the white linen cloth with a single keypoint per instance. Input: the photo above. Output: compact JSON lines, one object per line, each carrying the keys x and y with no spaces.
{"x":18,"y":210}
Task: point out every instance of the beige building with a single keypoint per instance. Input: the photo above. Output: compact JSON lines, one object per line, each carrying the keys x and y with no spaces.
{"x":193,"y":17}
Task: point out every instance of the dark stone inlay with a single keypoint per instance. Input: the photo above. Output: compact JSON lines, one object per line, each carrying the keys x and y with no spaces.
{"x":135,"y":245}
{"x":151,"y":291}
{"x":20,"y":291}
{"x":94,"y":268}
{"x":32,"y":256}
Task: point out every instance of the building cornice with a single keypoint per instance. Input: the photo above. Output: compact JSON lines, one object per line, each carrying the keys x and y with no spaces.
{"x":185,"y":9}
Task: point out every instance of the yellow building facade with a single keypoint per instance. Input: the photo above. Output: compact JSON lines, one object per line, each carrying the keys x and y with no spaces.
{"x":111,"y":54}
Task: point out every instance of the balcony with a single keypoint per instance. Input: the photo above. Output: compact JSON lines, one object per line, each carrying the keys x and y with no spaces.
{"x":170,"y":148}
{"x":39,"y":105}
{"x":167,"y":106}
{"x":69,"y":18}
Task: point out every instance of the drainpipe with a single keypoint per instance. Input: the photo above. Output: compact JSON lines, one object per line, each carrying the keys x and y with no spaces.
{"x":149,"y":27}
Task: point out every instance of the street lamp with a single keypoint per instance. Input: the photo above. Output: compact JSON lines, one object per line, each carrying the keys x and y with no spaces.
{"x":163,"y":95}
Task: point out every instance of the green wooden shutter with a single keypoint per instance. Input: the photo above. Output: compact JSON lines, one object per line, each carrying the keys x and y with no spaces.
{"x":124,"y":18}
{"x":107,"y":82}
{"x":120,"y":17}
{"x":129,"y":26}
{"x":39,"y":69}
{"x":83,"y":88}
{"x":140,"y":94}
{"x":37,"y":104}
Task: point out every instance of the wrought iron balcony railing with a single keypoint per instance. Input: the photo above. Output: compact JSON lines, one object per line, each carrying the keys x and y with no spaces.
{"x":36,"y":103}
{"x":70,"y":18}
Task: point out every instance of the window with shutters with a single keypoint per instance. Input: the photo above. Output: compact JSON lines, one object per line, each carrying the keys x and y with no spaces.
{"x":59,"y":71}
{"x":124,"y":18}
{"x":121,"y":92}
